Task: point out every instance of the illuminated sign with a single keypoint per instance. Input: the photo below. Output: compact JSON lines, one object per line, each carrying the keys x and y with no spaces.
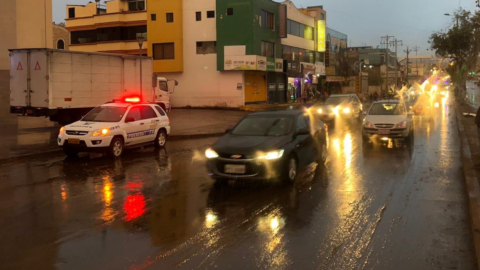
{"x":321,"y":30}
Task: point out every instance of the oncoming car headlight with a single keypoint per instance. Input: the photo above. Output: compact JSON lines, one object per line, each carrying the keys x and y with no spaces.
{"x":210,"y":153}
{"x":271,"y":155}
{"x":320,"y":111}
{"x":346,"y":110}
{"x":101,"y":132}
{"x":62,"y":131}
{"x":402,"y":124}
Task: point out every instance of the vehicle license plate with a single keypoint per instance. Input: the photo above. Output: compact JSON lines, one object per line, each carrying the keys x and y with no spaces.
{"x":74,"y":141}
{"x":383,"y":131}
{"x":236,"y":169}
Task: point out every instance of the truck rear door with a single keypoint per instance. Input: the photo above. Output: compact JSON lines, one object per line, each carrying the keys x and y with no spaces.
{"x":18,"y":79}
{"x":38,"y":79}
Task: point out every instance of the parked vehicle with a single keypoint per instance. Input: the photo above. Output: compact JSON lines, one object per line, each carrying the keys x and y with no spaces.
{"x":268,"y":146}
{"x":114,"y":126}
{"x":65,"y":85}
{"x":345,"y":106}
{"x":387,"y":119}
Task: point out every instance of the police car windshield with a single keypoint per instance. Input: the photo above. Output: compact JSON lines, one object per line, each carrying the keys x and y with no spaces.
{"x":105,"y":114}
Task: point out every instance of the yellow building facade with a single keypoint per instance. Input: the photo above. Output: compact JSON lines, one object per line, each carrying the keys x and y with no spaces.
{"x":165,"y":35}
{"x":112,"y":28}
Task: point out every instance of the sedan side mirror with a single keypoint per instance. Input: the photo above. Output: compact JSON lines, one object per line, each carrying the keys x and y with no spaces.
{"x":129,"y":119}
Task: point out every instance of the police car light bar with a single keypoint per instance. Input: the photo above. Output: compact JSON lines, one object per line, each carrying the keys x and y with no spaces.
{"x":132,"y":99}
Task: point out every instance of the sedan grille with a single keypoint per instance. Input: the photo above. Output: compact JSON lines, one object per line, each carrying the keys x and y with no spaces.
{"x":76,"y":133}
{"x":384,"y":125}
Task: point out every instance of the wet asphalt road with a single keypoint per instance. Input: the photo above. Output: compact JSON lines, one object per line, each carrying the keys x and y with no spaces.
{"x":394,"y":207}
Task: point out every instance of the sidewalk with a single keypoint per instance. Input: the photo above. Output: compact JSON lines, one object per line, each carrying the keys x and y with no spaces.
{"x":470,"y":158}
{"x":24,"y":136}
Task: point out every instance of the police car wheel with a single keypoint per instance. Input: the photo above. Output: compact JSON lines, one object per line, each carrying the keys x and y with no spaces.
{"x":161,"y":139}
{"x":116,"y":147}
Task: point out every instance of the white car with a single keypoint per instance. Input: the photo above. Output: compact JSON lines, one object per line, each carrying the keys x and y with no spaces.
{"x":388,"y":119}
{"x":114,"y":126}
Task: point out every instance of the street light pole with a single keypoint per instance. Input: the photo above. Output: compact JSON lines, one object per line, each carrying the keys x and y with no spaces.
{"x":140,"y":45}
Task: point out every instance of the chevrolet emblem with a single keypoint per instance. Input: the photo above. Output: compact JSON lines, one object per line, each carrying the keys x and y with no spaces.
{"x":236,"y":156}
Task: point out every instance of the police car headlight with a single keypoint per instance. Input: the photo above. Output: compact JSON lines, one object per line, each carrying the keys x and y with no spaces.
{"x":101,"y":132}
{"x":62,"y":131}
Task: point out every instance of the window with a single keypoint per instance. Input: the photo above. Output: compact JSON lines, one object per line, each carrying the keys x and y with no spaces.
{"x":153,"y":17}
{"x":263,"y":126}
{"x":268,"y":20}
{"x":301,"y":123}
{"x":206,"y":47}
{"x":108,"y":34}
{"x":136,"y":5}
{"x":300,"y":30}
{"x":147,"y":112}
{"x":71,"y":12}
{"x":268,"y":49}
{"x":229,"y":11}
{"x":134,"y":113}
{"x":160,"y":110}
{"x":198,"y":16}
{"x":163,"y":86}
{"x":382,"y":59}
{"x":211,"y":14}
{"x":322,"y":16}
{"x":163,"y":51}
{"x":169,"y":17}
{"x":105,"y":114}
{"x":60,"y":44}
{"x":287,"y":53}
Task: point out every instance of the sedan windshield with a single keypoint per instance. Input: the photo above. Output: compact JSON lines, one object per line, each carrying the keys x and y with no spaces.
{"x":337,"y":100}
{"x":387,"y":109}
{"x":105,"y":114}
{"x":263,"y":126}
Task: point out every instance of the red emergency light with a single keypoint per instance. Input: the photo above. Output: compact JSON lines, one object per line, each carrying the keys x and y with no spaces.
{"x":132,"y":99}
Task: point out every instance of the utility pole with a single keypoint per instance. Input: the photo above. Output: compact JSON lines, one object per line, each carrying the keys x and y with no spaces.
{"x":408,"y":53}
{"x":396,"y":59}
{"x":386,"y":43}
{"x":415,"y":49}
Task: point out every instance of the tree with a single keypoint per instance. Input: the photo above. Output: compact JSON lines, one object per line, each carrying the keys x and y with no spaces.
{"x":461,"y":44}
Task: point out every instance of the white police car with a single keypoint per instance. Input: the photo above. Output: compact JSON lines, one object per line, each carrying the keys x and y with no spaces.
{"x":114,"y":126}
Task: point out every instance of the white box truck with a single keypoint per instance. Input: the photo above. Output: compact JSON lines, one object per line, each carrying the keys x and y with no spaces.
{"x":65,"y":85}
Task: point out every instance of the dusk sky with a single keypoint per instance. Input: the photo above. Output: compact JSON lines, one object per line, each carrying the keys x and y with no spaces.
{"x":365,"y":21}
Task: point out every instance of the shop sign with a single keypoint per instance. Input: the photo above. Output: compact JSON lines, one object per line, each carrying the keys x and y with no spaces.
{"x":281,"y":87}
{"x":241,"y":62}
{"x":335,"y":79}
{"x":293,"y":67}
{"x":308,"y":68}
{"x":321,"y":30}
{"x":272,"y":87}
{"x":270,"y":64}
{"x":320,"y":69}
{"x":278,"y":65}
{"x":261,"y":63}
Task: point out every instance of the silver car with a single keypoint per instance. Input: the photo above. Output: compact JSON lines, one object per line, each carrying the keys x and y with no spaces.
{"x":388,"y":119}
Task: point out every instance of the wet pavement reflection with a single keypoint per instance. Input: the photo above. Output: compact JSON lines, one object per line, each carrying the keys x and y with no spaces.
{"x":389,"y":207}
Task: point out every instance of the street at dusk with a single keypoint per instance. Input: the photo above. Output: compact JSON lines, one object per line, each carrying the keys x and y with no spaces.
{"x":239,"y":134}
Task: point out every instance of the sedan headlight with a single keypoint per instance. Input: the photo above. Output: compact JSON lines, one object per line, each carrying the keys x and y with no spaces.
{"x":101,"y":132}
{"x":346,"y":110}
{"x":369,"y":125}
{"x":320,"y":111}
{"x":335,"y":110}
{"x":62,"y":131}
{"x":210,"y":153}
{"x":402,"y":124}
{"x":271,"y":155}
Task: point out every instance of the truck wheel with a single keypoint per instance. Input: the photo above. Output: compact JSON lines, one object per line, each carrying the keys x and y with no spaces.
{"x":115,"y":149}
{"x":70,"y":153}
{"x":161,"y":139}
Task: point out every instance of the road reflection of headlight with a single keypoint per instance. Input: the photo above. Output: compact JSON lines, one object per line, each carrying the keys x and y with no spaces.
{"x":271,"y":155}
{"x":274,"y":223}
{"x":346,"y":110}
{"x":210,"y":219}
{"x":210,"y":153}
{"x":320,"y":111}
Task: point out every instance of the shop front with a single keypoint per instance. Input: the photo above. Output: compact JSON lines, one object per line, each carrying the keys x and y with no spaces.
{"x":276,"y":81}
{"x":294,"y":77}
{"x":307,"y":71}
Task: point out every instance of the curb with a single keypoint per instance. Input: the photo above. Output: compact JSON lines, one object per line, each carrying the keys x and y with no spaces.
{"x":471,"y":180}
{"x":171,"y":137}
